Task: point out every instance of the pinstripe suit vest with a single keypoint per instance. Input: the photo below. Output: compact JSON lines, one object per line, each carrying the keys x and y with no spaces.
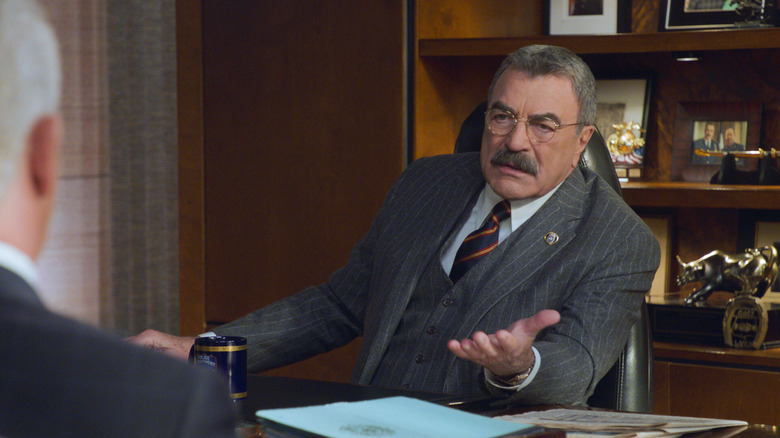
{"x":416,"y":350}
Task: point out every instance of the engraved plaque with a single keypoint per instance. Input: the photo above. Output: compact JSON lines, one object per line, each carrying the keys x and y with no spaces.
{"x":745,"y":322}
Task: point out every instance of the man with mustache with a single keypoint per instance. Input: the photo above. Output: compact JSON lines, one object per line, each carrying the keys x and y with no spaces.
{"x":537,"y":315}
{"x":707,"y":143}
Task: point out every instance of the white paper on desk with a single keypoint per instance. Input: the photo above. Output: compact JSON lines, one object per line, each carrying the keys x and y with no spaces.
{"x":645,"y":425}
{"x":404,"y":416}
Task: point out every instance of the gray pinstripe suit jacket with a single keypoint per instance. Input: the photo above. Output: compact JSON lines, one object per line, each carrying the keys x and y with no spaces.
{"x":595,"y":275}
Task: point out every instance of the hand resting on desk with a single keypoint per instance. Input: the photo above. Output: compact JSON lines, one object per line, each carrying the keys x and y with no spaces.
{"x":176,"y":346}
{"x":506,"y":351}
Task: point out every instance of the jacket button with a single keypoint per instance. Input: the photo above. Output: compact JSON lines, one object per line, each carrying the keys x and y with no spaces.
{"x":447,"y":302}
{"x":419,"y":358}
{"x":431,"y":330}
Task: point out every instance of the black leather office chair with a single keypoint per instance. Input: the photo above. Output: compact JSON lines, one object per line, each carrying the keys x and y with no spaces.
{"x":628,"y":386}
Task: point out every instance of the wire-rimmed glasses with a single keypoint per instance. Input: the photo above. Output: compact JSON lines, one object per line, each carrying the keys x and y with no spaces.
{"x":540,"y":129}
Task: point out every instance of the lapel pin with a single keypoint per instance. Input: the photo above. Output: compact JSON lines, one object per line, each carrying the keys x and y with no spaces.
{"x":551,"y":237}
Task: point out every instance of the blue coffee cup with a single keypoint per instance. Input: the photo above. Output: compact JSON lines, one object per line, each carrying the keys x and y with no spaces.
{"x":226,"y":354}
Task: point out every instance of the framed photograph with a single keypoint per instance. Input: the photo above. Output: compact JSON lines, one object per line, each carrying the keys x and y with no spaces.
{"x":581,"y":17}
{"x":760,"y":228}
{"x":715,"y":127}
{"x":700,"y":14}
{"x":620,"y":102}
{"x":661,"y":226}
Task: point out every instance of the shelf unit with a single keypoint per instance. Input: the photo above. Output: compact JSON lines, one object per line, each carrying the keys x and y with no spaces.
{"x":461,"y":45}
{"x":642,"y":194}
{"x":454,"y":67}
{"x":466,"y":65}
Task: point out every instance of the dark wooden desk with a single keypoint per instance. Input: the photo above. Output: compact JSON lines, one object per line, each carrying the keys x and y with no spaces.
{"x":267,"y":392}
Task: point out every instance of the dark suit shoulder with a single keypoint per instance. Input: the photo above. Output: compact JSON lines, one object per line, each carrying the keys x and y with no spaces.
{"x":80,"y":381}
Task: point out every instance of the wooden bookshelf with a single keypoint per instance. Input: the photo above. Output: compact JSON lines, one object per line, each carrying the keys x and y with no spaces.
{"x":454,"y":67}
{"x":459,"y":45}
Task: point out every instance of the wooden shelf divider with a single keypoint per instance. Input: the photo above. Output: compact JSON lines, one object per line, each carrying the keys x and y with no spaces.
{"x":701,"y":195}
{"x":742,"y":39}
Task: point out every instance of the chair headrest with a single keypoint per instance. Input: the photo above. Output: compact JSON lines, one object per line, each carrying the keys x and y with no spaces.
{"x":595,"y":157}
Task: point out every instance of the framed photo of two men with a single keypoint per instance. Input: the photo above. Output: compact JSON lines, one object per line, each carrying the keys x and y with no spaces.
{"x":705,"y":131}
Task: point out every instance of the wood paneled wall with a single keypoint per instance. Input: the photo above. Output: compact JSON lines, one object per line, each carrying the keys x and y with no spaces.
{"x":448,"y":86}
{"x":291,"y":133}
{"x":470,"y":19}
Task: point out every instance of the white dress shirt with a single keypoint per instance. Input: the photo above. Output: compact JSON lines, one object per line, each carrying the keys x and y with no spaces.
{"x":18,"y":262}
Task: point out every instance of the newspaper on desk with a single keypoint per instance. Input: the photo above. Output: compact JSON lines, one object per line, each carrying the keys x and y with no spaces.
{"x":593,"y":424}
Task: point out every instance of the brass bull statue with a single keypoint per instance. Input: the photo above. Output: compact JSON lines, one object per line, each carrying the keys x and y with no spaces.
{"x":749,"y":273}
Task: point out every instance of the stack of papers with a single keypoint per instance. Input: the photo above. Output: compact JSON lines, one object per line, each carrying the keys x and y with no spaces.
{"x":385,"y":417}
{"x":620,"y":424}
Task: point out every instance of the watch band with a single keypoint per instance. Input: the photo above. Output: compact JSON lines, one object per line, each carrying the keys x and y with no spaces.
{"x":515,"y":379}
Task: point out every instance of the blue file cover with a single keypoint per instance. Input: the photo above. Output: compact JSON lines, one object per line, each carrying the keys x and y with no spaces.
{"x":392,"y":417}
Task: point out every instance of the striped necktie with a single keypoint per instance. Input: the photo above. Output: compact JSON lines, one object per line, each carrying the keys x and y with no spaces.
{"x":480,"y":242}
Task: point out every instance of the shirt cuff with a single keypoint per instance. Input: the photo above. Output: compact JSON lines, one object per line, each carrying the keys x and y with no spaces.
{"x":491,"y":379}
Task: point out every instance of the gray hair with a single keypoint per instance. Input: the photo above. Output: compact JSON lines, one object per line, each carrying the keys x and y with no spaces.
{"x":541,"y":60}
{"x":29,"y":78}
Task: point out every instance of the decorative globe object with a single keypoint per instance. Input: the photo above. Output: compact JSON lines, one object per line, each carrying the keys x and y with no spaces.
{"x":625,"y":145}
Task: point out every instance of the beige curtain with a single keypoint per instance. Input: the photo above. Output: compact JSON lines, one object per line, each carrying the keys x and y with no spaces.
{"x":143,"y":195}
{"x":111,"y":258}
{"x":75,"y":263}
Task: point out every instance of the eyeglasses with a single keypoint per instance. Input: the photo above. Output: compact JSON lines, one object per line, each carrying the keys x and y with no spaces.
{"x":539,"y":129}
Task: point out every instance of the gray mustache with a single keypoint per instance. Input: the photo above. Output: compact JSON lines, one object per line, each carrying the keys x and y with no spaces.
{"x":518,"y":160}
